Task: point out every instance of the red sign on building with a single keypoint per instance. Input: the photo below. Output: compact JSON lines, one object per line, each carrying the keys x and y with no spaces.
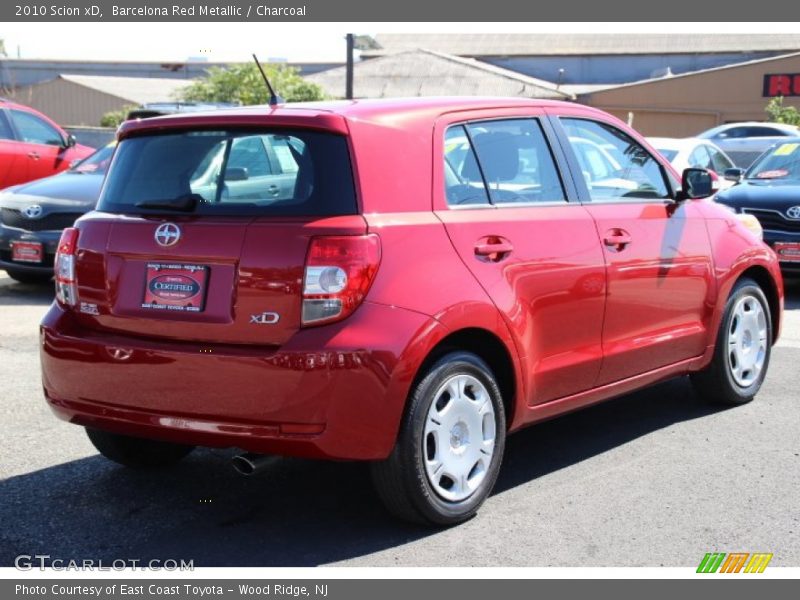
{"x":784,"y":84}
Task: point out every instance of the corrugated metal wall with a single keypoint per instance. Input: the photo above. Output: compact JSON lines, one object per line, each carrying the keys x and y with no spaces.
{"x":68,"y":103}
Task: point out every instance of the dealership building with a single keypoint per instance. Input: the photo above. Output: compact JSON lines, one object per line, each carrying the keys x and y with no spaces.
{"x":674,"y":85}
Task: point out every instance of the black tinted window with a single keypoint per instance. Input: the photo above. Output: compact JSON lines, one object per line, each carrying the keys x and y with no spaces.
{"x":515,"y":161}
{"x":765,"y":132}
{"x":286,"y":173}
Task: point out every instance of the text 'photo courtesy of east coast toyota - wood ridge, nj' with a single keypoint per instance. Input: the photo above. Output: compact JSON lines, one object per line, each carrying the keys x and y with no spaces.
{"x":492,"y":298}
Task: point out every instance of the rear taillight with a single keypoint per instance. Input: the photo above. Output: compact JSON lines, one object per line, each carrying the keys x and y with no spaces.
{"x":339,"y":271}
{"x":66,"y":286}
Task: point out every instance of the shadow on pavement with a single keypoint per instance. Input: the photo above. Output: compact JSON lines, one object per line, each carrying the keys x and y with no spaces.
{"x":792,"y":289}
{"x":296,"y":513}
{"x":13,"y":293}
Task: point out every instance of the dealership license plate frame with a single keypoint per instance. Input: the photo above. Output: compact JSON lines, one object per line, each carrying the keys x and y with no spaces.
{"x":781,"y":247}
{"x":27,"y":252}
{"x":176,"y":300}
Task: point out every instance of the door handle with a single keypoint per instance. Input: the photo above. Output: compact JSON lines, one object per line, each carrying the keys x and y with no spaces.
{"x":493,"y":249}
{"x":273,"y":190}
{"x":617,"y":239}
{"x":33,"y":155}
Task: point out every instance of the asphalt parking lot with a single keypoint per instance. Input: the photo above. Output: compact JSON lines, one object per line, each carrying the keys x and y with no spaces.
{"x":654,"y":478}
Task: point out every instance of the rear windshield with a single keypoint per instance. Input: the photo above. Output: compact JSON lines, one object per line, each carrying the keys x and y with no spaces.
{"x":287,"y":173}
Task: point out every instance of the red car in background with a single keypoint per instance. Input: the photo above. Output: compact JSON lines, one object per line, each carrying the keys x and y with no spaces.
{"x":401,"y":281}
{"x":33,"y":146}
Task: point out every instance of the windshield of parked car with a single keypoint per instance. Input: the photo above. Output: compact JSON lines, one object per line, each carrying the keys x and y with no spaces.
{"x":282,"y":173}
{"x":781,"y":162}
{"x":96,"y":163}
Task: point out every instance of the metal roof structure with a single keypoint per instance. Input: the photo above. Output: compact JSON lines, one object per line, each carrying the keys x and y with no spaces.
{"x":560,"y":44}
{"x":423,"y":72}
{"x":138,"y":90}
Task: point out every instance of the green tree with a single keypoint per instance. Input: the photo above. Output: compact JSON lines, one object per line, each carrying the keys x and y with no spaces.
{"x":243,"y":84}
{"x":114,"y":118}
{"x":778,"y":113}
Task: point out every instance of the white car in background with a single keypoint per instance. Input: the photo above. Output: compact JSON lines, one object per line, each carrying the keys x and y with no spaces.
{"x":745,"y":142}
{"x":684,"y":153}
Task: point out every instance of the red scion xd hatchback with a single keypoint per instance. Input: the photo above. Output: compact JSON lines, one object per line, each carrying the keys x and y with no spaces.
{"x":403,"y":282}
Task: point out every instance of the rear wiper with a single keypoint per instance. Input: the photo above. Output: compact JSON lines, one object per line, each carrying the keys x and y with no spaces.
{"x":185,"y":203}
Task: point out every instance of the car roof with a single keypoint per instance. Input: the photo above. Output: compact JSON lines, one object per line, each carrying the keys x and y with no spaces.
{"x":726,"y":126}
{"x":333,"y":114}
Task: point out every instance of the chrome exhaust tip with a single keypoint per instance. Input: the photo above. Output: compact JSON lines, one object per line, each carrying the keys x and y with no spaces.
{"x":249,"y":464}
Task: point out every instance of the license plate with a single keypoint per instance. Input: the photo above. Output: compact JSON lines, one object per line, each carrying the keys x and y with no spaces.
{"x":175,"y":287}
{"x":29,"y":252}
{"x":787,"y":251}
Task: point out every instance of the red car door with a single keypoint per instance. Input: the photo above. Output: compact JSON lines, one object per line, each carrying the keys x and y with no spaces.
{"x":13,"y":165}
{"x":41,"y":145}
{"x":661,"y":288}
{"x":499,"y":192}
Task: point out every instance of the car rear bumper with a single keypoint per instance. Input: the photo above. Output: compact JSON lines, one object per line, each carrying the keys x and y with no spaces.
{"x":336,"y":391}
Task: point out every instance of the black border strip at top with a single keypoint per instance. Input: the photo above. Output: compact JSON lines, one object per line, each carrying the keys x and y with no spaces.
{"x":445,"y":11}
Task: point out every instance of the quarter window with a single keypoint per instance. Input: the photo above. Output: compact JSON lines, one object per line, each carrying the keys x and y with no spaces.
{"x":462,"y":177}
{"x":614,"y":165}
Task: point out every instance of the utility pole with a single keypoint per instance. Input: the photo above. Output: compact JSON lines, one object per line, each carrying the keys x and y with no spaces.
{"x":351,"y":44}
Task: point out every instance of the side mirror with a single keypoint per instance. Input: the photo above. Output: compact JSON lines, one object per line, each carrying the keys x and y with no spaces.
{"x":734,"y":175}
{"x":695,"y":183}
{"x":236,"y":174}
{"x":70,"y":141}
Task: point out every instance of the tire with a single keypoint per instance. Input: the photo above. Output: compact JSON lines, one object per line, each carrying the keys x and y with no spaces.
{"x":137,"y":453}
{"x":466,"y":442}
{"x":743,"y":348}
{"x":27,"y":277}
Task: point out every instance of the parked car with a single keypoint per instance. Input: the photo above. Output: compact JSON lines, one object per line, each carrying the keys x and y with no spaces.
{"x":744,"y":142}
{"x":32,"y":146}
{"x":683,"y":153}
{"x":33,"y":215}
{"x":770,"y":191}
{"x":385,"y":307}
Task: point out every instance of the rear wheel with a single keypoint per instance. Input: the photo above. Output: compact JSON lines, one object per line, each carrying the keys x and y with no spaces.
{"x":28,"y":277}
{"x":138,"y":453}
{"x":450,"y":446}
{"x":743,"y":348}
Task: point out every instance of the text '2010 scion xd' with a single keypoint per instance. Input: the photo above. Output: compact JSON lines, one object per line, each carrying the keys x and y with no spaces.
{"x":403,"y":282}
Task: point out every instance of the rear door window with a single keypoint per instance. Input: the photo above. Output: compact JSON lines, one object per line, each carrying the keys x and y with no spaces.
{"x":502,"y":162}
{"x":271,"y":173}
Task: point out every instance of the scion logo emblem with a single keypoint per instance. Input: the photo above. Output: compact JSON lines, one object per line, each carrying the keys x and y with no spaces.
{"x":168,"y":234}
{"x":34,"y":211}
{"x":793,"y":212}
